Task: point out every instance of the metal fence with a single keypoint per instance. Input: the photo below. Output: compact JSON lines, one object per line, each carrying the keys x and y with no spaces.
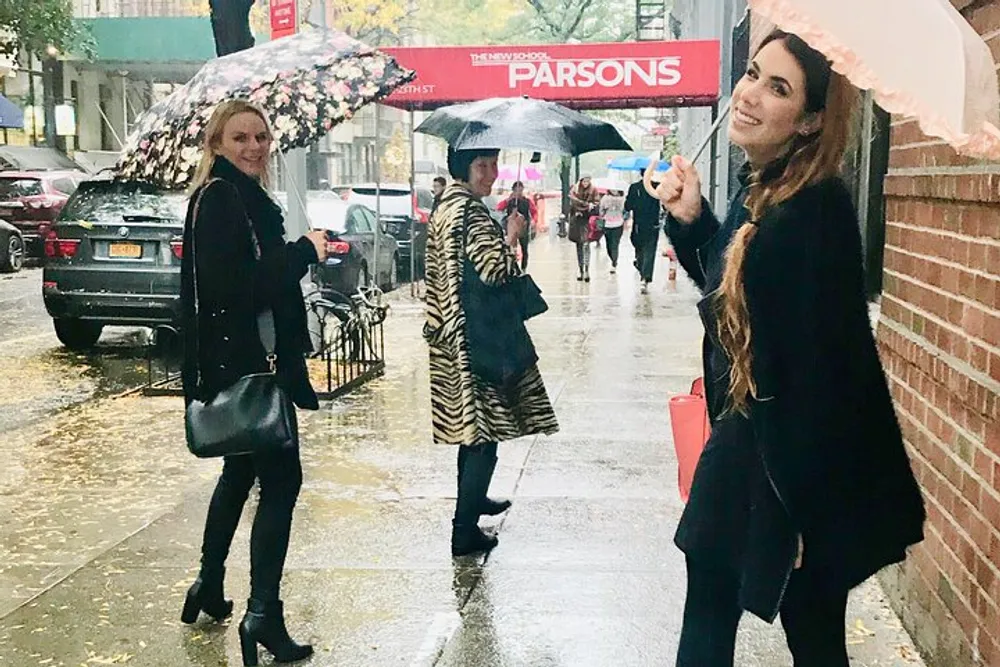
{"x":350,"y":353}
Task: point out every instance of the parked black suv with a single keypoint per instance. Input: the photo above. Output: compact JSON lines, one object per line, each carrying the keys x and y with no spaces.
{"x":113,"y":257}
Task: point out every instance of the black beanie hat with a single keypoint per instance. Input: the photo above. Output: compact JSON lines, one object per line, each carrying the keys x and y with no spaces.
{"x":459,"y":161}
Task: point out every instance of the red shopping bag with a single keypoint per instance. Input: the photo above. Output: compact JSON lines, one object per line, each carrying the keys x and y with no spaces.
{"x":594,"y":230}
{"x":691,"y":428}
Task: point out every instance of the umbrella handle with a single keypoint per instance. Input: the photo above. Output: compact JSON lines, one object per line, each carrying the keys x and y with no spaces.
{"x":647,"y":176}
{"x":712,"y":132}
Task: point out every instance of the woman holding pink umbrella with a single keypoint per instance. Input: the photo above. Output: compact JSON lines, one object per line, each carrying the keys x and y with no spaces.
{"x":804,"y":489}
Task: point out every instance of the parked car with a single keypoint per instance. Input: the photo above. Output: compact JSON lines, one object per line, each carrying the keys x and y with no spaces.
{"x":351,"y":248}
{"x":113,"y":257}
{"x":396,"y":209}
{"x":11,"y":248}
{"x":32,"y":200}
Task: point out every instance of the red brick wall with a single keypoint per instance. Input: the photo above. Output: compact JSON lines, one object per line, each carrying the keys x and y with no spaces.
{"x":940,"y":337}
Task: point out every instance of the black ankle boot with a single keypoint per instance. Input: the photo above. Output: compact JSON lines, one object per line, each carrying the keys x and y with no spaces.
{"x":493,"y":507}
{"x":469,"y":539}
{"x":488,"y":506}
{"x":206,"y":595}
{"x":264,"y":624}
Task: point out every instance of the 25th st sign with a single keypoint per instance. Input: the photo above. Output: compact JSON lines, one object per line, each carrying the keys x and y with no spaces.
{"x":581,"y":75}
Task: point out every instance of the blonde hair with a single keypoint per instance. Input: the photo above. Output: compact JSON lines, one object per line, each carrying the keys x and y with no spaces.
{"x":214,"y":131}
{"x":812,"y":159}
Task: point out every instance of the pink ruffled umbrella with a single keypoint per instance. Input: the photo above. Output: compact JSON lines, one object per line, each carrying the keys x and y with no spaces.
{"x":510,"y":172}
{"x":919,"y":58}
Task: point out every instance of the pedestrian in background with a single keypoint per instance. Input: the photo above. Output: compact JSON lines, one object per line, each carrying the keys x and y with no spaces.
{"x":612,"y":211}
{"x":645,"y":212}
{"x":804,"y":489}
{"x":525,"y":207}
{"x":437,"y":187}
{"x":235,"y":266}
{"x":584,"y":202}
{"x":467,"y":410}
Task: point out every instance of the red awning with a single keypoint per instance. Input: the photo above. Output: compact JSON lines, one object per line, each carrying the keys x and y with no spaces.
{"x":626,"y":75}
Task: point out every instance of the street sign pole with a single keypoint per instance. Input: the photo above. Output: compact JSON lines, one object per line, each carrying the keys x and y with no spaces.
{"x":285,"y":22}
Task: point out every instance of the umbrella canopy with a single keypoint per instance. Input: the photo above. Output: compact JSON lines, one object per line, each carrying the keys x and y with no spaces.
{"x":635,"y":163}
{"x":510,"y":172}
{"x":10,"y":114}
{"x":306,"y":84}
{"x":931,"y":66}
{"x":522,"y":123}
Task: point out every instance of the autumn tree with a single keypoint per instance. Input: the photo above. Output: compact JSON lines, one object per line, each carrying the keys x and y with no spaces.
{"x":378,"y":22}
{"x":37,"y":26}
{"x":461,"y":22}
{"x":560,"y":21}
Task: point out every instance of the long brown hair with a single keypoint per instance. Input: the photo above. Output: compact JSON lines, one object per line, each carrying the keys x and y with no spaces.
{"x":213,"y":139}
{"x":811,"y":159}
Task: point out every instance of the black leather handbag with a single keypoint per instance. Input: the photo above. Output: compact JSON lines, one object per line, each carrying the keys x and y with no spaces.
{"x":254,"y":415}
{"x":500,"y":348}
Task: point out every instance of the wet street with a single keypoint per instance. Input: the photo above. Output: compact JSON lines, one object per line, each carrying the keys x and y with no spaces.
{"x":103,"y":506}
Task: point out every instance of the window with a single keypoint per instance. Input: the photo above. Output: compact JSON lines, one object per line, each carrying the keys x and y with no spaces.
{"x":14,"y":188}
{"x":372,"y":220}
{"x":425,"y":199}
{"x":357,"y":222}
{"x":67,"y":186}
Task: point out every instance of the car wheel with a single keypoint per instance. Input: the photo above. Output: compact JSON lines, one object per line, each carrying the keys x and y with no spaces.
{"x":393,"y":281}
{"x":13,"y":259}
{"x":77,"y":335}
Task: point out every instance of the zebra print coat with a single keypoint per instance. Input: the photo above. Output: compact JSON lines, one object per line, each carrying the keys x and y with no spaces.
{"x":465,"y":409}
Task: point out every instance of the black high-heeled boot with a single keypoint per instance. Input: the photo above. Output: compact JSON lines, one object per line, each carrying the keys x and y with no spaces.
{"x":473,"y":480}
{"x":489,"y":506}
{"x":469,"y":539}
{"x":206,"y":595}
{"x":264,"y":624}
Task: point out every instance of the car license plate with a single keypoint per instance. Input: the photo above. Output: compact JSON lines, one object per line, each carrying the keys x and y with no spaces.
{"x":125,"y":251}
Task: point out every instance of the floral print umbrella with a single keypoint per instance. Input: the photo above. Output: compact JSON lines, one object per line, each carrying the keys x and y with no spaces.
{"x":307,"y":84}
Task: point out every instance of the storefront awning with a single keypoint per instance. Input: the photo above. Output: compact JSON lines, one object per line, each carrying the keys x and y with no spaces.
{"x":11,"y":115}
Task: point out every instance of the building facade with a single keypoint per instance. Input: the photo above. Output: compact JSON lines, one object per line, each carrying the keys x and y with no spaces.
{"x":940,"y":337}
{"x":722,"y":20}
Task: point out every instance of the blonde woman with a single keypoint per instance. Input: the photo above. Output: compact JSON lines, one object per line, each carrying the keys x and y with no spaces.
{"x":804,"y":489}
{"x":237,"y":264}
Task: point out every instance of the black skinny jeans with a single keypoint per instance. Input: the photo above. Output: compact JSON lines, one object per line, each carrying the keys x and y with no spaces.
{"x":614,"y":239}
{"x":645,"y":256}
{"x":280,"y":478}
{"x":524,"y":240}
{"x":812,"y":617}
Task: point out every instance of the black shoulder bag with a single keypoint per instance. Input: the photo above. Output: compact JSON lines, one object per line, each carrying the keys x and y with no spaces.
{"x":500,"y":349}
{"x":251,"y":416}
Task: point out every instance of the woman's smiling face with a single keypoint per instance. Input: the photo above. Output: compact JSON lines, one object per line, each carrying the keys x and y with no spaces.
{"x":769,"y":106}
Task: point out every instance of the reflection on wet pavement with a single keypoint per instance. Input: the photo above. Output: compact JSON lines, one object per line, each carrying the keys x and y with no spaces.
{"x":105,"y":507}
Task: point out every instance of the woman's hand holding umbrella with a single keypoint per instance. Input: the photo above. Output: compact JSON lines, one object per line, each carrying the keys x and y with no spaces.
{"x":680,"y":190}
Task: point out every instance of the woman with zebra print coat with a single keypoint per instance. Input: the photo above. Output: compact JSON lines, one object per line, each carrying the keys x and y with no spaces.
{"x":466,"y":410}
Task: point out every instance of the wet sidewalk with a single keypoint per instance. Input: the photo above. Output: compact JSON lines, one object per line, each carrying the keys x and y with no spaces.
{"x":103,"y":513}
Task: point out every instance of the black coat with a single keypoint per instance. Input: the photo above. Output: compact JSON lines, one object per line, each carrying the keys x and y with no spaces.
{"x":820,"y":454}
{"x":234,"y":286}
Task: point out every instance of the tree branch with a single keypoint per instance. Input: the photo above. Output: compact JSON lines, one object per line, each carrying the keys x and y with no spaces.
{"x":543,"y":13}
{"x":584,"y":6}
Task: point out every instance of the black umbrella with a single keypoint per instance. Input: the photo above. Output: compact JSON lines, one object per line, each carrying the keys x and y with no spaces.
{"x":522,"y":123}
